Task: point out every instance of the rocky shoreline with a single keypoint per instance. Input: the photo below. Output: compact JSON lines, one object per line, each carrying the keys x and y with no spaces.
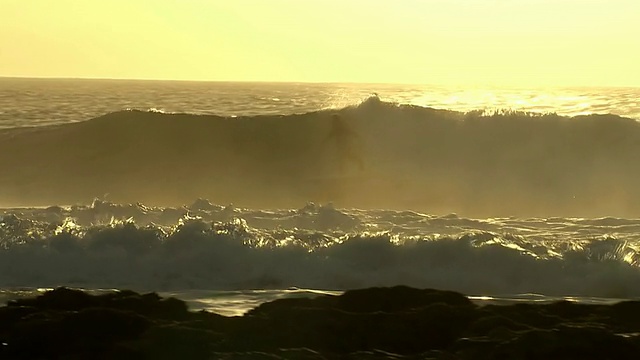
{"x":374,"y":323}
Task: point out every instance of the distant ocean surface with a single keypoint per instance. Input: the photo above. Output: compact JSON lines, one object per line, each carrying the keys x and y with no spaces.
{"x":503,"y":194}
{"x":29,"y":102}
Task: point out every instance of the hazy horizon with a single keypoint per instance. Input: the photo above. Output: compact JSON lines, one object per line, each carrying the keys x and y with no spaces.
{"x":529,"y":43}
{"x":497,"y":86}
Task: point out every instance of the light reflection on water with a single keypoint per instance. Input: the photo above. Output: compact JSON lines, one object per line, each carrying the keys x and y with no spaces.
{"x":28,"y":102}
{"x":237,"y":303}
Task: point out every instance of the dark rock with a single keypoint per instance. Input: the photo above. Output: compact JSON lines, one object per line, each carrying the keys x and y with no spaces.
{"x":173,"y":341}
{"x":487,"y":324}
{"x":90,"y":331}
{"x":397,"y":298}
{"x":300,"y":354}
{"x":377,"y":323}
{"x":567,"y":343}
{"x":625,"y":314}
{"x":59,"y":299}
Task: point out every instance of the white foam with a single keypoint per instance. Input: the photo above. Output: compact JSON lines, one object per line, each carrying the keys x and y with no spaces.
{"x":218,"y":249}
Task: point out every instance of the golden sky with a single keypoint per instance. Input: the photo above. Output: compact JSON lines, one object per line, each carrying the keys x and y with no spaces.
{"x":465,"y":42}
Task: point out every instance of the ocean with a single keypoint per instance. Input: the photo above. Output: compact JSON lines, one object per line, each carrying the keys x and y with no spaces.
{"x":31,"y":102}
{"x":229,"y":195}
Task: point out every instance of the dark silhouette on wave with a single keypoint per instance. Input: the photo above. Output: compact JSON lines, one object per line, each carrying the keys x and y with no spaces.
{"x":344,"y":137}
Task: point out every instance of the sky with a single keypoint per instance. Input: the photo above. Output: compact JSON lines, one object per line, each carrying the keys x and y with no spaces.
{"x":462,"y":42}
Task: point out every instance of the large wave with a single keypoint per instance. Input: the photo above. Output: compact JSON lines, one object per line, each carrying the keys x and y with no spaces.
{"x":379,"y":155}
{"x":205,"y":246}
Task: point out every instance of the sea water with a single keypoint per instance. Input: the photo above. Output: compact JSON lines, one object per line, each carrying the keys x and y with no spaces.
{"x":219,"y":257}
{"x":29,"y":102}
{"x":570,"y":245}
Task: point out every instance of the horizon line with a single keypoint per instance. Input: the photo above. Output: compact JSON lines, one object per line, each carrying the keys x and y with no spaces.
{"x":473,"y":85}
{"x":209,"y":80}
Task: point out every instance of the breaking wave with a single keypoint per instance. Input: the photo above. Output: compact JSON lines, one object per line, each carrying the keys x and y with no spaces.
{"x":206,"y":246}
{"x":375,"y":155}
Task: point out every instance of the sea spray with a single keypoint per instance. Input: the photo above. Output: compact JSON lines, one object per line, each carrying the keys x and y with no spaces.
{"x":107,"y":245}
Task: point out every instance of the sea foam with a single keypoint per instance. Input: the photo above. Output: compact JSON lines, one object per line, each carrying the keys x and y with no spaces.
{"x":204,"y":246}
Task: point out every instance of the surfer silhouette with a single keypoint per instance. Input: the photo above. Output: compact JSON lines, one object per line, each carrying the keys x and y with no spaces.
{"x":345,"y":140}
